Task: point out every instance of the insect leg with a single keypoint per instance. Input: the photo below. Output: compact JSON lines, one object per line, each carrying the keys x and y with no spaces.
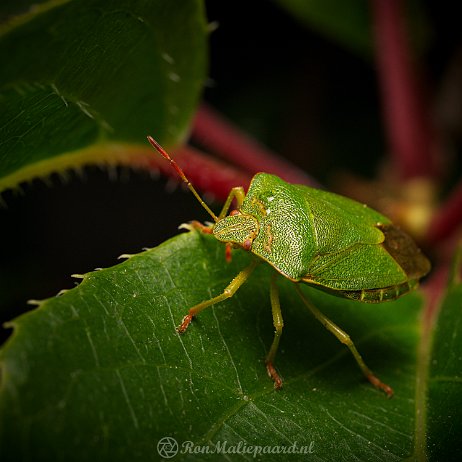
{"x":229,"y":291}
{"x":346,"y":340}
{"x":194,"y":224}
{"x":239,"y":194}
{"x":278,"y":325}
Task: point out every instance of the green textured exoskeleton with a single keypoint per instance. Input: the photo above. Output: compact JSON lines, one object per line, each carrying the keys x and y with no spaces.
{"x":316,"y":237}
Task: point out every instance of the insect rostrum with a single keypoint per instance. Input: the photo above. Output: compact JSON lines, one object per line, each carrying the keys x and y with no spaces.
{"x":315,"y":237}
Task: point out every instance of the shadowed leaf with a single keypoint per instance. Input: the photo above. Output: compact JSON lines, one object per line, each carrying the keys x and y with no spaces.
{"x":101,"y":372}
{"x":83,"y":82}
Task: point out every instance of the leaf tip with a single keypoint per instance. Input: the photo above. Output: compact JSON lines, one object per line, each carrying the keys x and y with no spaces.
{"x":78,"y":276}
{"x":186,"y":226}
{"x":125,"y":256}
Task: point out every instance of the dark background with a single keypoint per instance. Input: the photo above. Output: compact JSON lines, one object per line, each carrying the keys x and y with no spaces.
{"x":303,"y":95}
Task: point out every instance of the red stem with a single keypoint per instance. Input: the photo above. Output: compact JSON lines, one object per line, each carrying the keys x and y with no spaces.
{"x":217,"y":134}
{"x":407,"y":121}
{"x":207,"y":174}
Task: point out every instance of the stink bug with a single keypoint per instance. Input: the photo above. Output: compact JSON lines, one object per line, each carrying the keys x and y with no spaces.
{"x":312,"y":236}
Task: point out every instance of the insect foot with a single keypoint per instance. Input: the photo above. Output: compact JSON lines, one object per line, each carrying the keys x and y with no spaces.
{"x":274,"y":375}
{"x":184,"y":324}
{"x":197,"y":225}
{"x":380,"y":385}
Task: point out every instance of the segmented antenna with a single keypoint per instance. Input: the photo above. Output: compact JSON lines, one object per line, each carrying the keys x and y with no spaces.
{"x":180,"y":172}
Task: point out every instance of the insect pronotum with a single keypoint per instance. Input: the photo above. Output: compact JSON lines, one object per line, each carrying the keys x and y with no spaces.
{"x":312,"y":236}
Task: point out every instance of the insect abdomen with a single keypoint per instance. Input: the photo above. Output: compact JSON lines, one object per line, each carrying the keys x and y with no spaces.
{"x":380,"y":295}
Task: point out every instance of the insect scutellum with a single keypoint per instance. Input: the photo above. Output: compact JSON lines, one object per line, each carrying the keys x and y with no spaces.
{"x":314,"y":237}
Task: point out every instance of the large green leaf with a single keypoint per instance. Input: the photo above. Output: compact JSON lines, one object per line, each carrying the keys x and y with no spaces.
{"x":351,"y":23}
{"x":84,"y":82}
{"x":444,"y":415}
{"x":346,"y":22}
{"x":100,"y":372}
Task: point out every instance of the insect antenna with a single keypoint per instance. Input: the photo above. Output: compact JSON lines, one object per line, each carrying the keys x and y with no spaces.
{"x":182,"y":175}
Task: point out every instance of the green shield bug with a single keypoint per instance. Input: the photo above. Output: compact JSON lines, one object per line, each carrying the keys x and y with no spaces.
{"x":312,"y":236}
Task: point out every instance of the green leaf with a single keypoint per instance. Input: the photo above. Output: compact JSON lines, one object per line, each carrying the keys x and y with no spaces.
{"x":444,"y":412}
{"x":100,"y":372}
{"x":350,"y":23}
{"x":346,"y":22}
{"x":85,"y":81}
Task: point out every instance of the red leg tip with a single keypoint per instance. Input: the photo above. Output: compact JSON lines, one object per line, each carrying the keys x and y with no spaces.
{"x":380,"y":385}
{"x":274,"y":376}
{"x":198,"y":225}
{"x":228,"y":255}
{"x":185,"y":323}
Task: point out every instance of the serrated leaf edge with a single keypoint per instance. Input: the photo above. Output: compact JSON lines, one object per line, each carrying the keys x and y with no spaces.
{"x":102,"y":154}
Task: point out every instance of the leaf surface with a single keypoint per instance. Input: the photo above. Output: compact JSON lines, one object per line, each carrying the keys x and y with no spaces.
{"x":351,"y":23}
{"x":84,"y":82}
{"x":443,"y":413}
{"x":100,"y":371}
